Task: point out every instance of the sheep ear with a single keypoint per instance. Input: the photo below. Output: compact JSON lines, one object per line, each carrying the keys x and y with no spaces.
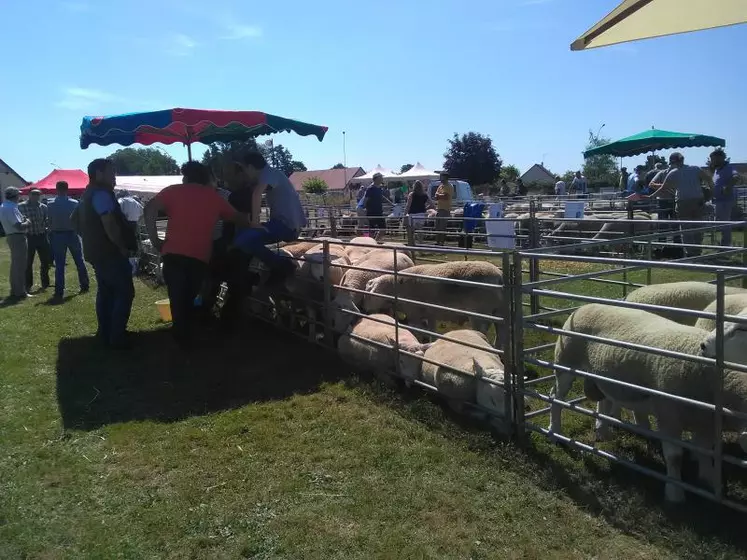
{"x":479,"y":370}
{"x":425,"y":346}
{"x":392,"y":342}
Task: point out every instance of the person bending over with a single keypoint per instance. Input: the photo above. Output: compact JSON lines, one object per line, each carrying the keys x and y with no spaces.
{"x":192,"y":208}
{"x":286,"y":214}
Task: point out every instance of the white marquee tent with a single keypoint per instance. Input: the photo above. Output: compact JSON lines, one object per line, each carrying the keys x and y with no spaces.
{"x":146,"y":186}
{"x":417,"y":172}
{"x":368,"y":177}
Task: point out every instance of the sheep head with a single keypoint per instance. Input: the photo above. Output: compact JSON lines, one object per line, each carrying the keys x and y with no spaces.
{"x":409,"y":366}
{"x":491,"y":396}
{"x":342,"y":321}
{"x":735,"y":343}
{"x":382,"y":285}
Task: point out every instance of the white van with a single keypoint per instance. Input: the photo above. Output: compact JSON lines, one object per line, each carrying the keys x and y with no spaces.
{"x":462,"y":191}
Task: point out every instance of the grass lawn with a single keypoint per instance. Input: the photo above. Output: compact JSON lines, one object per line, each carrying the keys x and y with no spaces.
{"x":266,"y":447}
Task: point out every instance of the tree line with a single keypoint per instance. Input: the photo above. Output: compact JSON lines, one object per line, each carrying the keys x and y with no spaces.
{"x":470,"y":156}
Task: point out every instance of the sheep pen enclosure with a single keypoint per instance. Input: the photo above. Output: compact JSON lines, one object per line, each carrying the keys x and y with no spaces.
{"x":503,"y":374}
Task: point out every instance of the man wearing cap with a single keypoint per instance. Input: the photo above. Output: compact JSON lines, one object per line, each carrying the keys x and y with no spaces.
{"x":64,"y":238}
{"x":36,"y":238}
{"x":15,"y":225}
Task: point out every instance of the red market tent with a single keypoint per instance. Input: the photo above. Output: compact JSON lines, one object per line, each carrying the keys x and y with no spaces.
{"x":77,"y":181}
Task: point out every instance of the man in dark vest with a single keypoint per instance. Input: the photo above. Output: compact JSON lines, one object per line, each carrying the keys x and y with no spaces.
{"x":107,"y":242}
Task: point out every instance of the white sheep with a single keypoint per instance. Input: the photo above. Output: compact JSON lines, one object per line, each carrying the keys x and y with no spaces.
{"x":468,"y":375}
{"x":488,"y":300}
{"x":356,"y":253}
{"x":382,"y":361}
{"x":299,"y":248}
{"x":734,"y":304}
{"x":669,"y":375}
{"x":682,"y":295}
{"x":358,"y":279}
{"x":312,"y":264}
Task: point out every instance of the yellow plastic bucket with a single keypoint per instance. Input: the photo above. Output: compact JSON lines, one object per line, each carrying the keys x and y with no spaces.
{"x":164,"y":310}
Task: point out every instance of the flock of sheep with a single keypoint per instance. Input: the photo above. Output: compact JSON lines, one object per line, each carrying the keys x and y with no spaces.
{"x":669,"y":331}
{"x":365,"y":292}
{"x":464,"y":366}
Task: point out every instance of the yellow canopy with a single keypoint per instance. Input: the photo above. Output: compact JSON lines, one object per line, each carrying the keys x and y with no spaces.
{"x":642,"y":19}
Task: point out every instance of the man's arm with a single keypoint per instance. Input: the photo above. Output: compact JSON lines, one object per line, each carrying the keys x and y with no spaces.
{"x":705,"y":178}
{"x":666,"y":184}
{"x":256,"y":205}
{"x":150,"y":214}
{"x":75,"y":219}
{"x":23,"y":225}
{"x":114,"y":232}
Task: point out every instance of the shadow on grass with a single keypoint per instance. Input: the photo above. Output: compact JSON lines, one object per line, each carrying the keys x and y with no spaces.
{"x":631,"y":502}
{"x":52,"y":301}
{"x":634,"y":503}
{"x":97,"y":386}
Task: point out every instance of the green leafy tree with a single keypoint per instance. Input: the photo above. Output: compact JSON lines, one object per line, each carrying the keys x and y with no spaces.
{"x":567,"y":177}
{"x":315,"y":185}
{"x":338,"y":166}
{"x":144,"y":161}
{"x":652,"y":160}
{"x":406,"y":167}
{"x":220,"y":156}
{"x":510,"y":173}
{"x":473,"y":158}
{"x":600,"y":170}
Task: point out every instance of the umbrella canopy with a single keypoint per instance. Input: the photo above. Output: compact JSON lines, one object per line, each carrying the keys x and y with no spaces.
{"x":187,"y":126}
{"x":653,"y":140}
{"x":76,"y":179}
{"x":418,"y":172}
{"x":633,"y":20}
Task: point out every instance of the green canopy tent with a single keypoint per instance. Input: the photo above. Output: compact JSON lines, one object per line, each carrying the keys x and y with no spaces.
{"x":653,"y":140}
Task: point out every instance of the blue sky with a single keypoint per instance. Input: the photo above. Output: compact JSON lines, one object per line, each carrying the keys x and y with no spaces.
{"x":398,"y":77}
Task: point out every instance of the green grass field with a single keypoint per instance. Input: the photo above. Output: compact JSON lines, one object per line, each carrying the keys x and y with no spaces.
{"x":267,"y":447}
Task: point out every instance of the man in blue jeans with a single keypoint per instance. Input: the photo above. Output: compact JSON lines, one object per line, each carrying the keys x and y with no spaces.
{"x":107,"y":242}
{"x":64,"y":238}
{"x":286,"y":214}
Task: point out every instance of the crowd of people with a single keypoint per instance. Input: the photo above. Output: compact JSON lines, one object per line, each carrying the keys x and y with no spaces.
{"x":681,"y":192}
{"x":371,"y":198}
{"x":210,"y":236}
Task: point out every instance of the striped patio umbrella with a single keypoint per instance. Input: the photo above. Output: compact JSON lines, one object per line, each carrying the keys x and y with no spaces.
{"x":186,"y":126}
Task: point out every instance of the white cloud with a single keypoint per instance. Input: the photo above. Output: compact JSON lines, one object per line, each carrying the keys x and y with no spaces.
{"x":76,"y":98}
{"x":181,"y":45}
{"x":237,"y":31}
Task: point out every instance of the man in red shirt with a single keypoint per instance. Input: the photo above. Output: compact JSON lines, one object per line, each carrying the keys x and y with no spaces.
{"x":193,"y":209}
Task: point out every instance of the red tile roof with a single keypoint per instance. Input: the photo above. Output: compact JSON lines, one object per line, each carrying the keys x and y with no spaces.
{"x":335,"y":178}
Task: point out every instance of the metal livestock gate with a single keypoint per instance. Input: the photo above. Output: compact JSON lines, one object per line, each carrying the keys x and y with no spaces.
{"x":525,"y":289}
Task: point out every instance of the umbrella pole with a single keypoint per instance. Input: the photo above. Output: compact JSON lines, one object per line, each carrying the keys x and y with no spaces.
{"x":189,"y":152}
